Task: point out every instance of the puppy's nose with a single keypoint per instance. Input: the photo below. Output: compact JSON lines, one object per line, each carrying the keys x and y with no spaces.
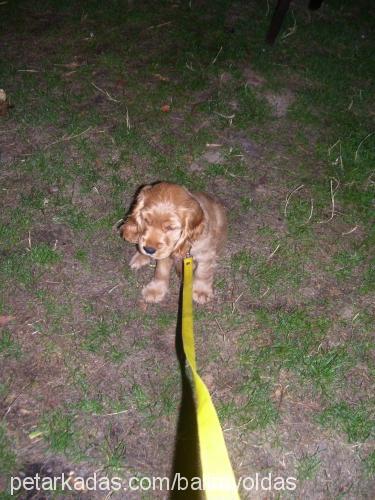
{"x":149,"y":250}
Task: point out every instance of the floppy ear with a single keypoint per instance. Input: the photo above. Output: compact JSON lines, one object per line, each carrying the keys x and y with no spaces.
{"x":193,"y":228}
{"x":130,"y":229}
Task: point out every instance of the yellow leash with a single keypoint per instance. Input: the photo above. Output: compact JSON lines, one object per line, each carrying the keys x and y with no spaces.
{"x":217,"y":474}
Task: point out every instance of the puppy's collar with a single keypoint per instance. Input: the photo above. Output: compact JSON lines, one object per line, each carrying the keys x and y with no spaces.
{"x":182,"y":257}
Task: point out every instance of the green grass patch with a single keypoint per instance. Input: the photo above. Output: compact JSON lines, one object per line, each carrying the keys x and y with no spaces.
{"x":58,"y":430}
{"x":346,"y":262}
{"x":116,"y":354}
{"x":169,"y":396}
{"x":43,"y":255}
{"x":308,"y":467}
{"x":91,"y":406}
{"x":114,"y":454}
{"x":99,"y":335}
{"x":369,"y":464}
{"x":271,"y":273}
{"x":7,"y":456}
{"x":259,"y":411}
{"x":227,"y":411}
{"x":26,"y":267}
{"x":140,"y":398}
{"x":9,"y":346}
{"x":295,"y":344}
{"x":356,"y":421}
{"x":81,"y":255}
{"x":76,"y":218}
{"x":165,"y":319}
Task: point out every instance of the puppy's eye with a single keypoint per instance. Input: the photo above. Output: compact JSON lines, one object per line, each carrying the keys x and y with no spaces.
{"x":170,"y":228}
{"x":146,"y":221}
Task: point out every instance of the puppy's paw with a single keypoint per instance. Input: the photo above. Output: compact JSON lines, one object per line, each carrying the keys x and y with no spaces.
{"x":155,"y":291}
{"x":202,"y":292}
{"x":138,"y":260}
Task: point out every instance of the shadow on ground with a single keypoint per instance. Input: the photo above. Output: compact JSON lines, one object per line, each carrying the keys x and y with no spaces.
{"x":186,"y":452}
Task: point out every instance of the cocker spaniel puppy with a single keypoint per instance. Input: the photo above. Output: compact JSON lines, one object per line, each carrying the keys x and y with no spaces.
{"x":166,"y":222}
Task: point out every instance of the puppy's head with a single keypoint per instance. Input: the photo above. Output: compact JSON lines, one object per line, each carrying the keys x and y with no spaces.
{"x":164,"y":221}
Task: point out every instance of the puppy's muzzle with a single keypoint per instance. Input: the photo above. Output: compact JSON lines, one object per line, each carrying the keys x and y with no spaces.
{"x":149,"y":250}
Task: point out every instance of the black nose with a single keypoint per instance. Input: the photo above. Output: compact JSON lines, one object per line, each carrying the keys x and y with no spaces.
{"x":149,"y":250}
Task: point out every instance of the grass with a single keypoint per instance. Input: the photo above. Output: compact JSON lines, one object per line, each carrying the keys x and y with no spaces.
{"x":8,"y":345}
{"x":308,"y":467}
{"x":356,"y":421}
{"x":259,"y":411}
{"x":168,"y":399}
{"x":141,"y":399}
{"x":99,"y":336}
{"x":26,"y":266}
{"x":8,"y":459}
{"x":115,"y":456}
{"x":58,"y":430}
{"x":369,"y":464}
{"x":294,"y":345}
{"x":289,"y":333}
{"x":94,"y":406}
{"x":346,"y":262}
{"x":7,"y":456}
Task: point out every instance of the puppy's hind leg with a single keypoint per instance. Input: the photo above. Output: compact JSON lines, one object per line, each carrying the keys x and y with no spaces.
{"x":156,"y":290}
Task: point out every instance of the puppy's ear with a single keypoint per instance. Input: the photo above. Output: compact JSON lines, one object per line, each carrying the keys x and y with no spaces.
{"x":193,"y":228}
{"x":195,"y":223}
{"x":130,"y":229}
{"x":140,"y":196}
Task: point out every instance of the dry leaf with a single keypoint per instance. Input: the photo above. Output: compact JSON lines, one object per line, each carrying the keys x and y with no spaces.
{"x":3,"y":103}
{"x":121,"y":83}
{"x":72,"y":65}
{"x":69,"y":74}
{"x":161,"y":77}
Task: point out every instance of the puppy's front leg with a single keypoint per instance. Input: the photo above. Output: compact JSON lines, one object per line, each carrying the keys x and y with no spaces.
{"x":203,"y":279}
{"x":156,"y":290}
{"x":139,"y":260}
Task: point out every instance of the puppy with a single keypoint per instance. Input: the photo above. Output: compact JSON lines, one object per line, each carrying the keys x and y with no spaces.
{"x":167,"y":222}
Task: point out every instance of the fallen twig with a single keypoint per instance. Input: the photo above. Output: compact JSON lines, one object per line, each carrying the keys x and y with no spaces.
{"x":14,"y":400}
{"x":109,"y":414}
{"x":360,"y":144}
{"x":107,"y":94}
{"x":292,"y":29}
{"x":311,"y":211}
{"x":273,"y":253}
{"x":68,"y":138}
{"x":217,"y":55}
{"x":235,"y":302}
{"x":350,"y":232}
{"x":159,"y":25}
{"x":287,"y":199}
{"x":228,"y":117}
{"x":221,"y":329}
{"x":333,"y":192}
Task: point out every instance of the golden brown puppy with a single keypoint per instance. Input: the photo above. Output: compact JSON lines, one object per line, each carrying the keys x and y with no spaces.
{"x":166,"y":222}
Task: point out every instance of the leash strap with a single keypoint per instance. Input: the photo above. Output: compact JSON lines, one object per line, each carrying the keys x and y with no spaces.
{"x":217,"y":474}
